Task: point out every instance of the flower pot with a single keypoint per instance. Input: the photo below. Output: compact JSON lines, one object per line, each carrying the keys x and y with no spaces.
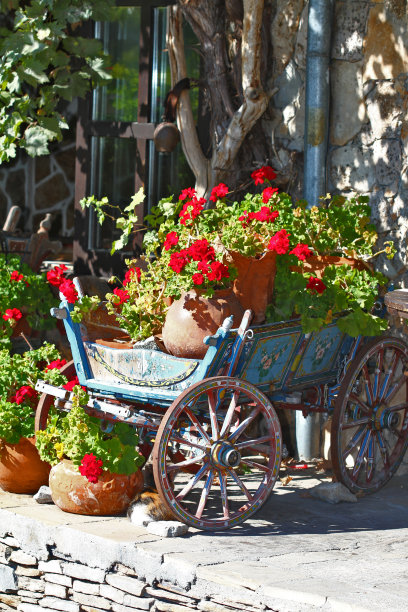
{"x":110,"y":496}
{"x":21,"y":469}
{"x":193,"y":317}
{"x":254,"y":284}
{"x":316,"y":264}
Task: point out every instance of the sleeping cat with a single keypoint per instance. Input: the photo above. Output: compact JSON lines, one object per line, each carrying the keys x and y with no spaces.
{"x":147,"y":505}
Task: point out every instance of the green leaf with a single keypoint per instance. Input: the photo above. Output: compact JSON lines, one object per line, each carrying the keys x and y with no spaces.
{"x":36,"y":140}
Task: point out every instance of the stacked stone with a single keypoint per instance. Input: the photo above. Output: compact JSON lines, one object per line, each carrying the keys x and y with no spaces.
{"x":29,"y":584}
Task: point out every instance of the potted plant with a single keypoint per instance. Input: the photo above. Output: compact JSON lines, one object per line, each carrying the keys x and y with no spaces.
{"x":21,"y":470}
{"x":317,"y":260}
{"x":95,"y":464}
{"x":25,"y":299}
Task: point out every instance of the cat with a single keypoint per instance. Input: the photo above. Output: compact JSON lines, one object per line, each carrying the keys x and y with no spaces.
{"x":147,"y":505}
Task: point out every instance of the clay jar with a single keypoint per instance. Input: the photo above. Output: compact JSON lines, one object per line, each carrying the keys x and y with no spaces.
{"x":110,"y":496}
{"x":193,"y":317}
{"x":21,"y":469}
{"x":316,"y":264}
{"x":254,"y":284}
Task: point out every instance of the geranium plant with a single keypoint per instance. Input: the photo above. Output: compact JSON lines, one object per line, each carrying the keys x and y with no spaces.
{"x":82,"y":439}
{"x":189,"y":246}
{"x":23,"y":293}
{"x":18,"y":397}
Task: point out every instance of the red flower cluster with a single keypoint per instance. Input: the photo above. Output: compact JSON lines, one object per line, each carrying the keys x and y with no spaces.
{"x":265,"y":214}
{"x":203,"y":253}
{"x":24,"y":395}
{"x":91,"y":467}
{"x":16,"y":276}
{"x":188,"y":194}
{"x":218,"y":192}
{"x":178,"y":261}
{"x":66,"y":286}
{"x":265,"y":173}
{"x":56,"y":275}
{"x":12,"y":313}
{"x":191,"y":209}
{"x":56,"y":365}
{"x":71,"y":384}
{"x":315,"y":285}
{"x":217,"y":271}
{"x":301,"y":251}
{"x":201,"y":250}
{"x":268,"y":193}
{"x":279,"y":242}
{"x":131,"y":274}
{"x":170,"y":240}
{"x":122,"y":295}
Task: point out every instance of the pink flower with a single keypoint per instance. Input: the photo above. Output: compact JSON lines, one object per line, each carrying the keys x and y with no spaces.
{"x":171,"y":240}
{"x":315,"y":285}
{"x":198,"y":278}
{"x":12,"y":313}
{"x":187,"y":194}
{"x":268,"y":193}
{"x":279,"y":242}
{"x":301,"y":251}
{"x":131,"y":274}
{"x":122,"y":294}
{"x":25,"y":394}
{"x":16,"y":276}
{"x":218,"y":192}
{"x":67,"y":288}
{"x":56,"y":365}
{"x":178,"y":261}
{"x":91,"y":467}
{"x":264,"y":173}
{"x":56,"y":275}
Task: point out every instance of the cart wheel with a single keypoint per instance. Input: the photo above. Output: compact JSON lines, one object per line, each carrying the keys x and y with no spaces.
{"x":46,"y":401}
{"x":229,"y":430}
{"x":370,"y":420}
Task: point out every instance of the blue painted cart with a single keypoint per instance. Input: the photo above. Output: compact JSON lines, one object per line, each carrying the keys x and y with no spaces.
{"x":211,"y":425}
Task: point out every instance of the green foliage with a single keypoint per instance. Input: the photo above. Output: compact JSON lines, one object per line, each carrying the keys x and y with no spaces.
{"x":44,"y":60}
{"x":76,"y":434}
{"x":17,"y":420}
{"x":31,"y":295}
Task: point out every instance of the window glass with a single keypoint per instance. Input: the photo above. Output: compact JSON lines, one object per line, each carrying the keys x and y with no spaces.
{"x":118,"y":101}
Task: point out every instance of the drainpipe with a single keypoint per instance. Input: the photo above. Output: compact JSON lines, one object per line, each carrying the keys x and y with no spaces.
{"x":316,"y":137}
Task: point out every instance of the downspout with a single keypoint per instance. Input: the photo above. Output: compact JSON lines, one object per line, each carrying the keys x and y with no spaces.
{"x":316,"y":139}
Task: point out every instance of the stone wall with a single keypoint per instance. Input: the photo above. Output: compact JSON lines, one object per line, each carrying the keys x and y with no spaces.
{"x":368,"y":133}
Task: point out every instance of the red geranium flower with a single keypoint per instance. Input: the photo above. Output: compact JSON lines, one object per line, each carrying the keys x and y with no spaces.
{"x":131,"y":274}
{"x":12,"y":313}
{"x":203,"y":267}
{"x":315,"y":285}
{"x":218,"y":192}
{"x":16,"y":276}
{"x":25,"y":394}
{"x":56,"y":365}
{"x":264,"y":173}
{"x":191,"y":210}
{"x":91,"y":467}
{"x":218,"y":271}
{"x":67,"y":288}
{"x":187,"y":194}
{"x":122,"y":295}
{"x":71,"y":384}
{"x":198,"y":278}
{"x":178,"y":261}
{"x":201,"y":250}
{"x":265,"y":214}
{"x":56,"y":275}
{"x":279,"y":242}
{"x":171,"y":240}
{"x":301,"y":251}
{"x":268,"y":193}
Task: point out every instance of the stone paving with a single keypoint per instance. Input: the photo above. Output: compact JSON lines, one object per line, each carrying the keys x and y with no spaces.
{"x":298,"y":553}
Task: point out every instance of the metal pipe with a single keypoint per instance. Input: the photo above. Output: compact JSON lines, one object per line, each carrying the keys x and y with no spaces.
{"x":316,"y":137}
{"x":317,"y":99}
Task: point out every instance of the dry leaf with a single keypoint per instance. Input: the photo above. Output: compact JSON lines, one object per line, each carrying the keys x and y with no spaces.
{"x":285,"y":481}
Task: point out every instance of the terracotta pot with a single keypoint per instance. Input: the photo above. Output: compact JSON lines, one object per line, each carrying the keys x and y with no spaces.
{"x":193,"y":317}
{"x":110,"y":496}
{"x":316,"y":264}
{"x":21,"y":469}
{"x":254,"y":284}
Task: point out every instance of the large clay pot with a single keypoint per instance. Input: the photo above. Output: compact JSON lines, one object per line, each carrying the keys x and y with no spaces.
{"x":316,"y":264}
{"x":193,"y":317}
{"x":254,"y":283}
{"x":110,"y":496}
{"x":21,"y":469}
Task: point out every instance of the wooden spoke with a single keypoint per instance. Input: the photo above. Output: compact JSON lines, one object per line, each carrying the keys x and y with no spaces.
{"x":186,"y":443}
{"x":183,"y":464}
{"x":378,"y":370}
{"x":360,"y":402}
{"x":389,"y":375}
{"x":354,"y":441}
{"x":224,"y":493}
{"x":383,"y":449}
{"x":254,"y":443}
{"x":361,"y":453}
{"x":198,"y":425}
{"x":241,"y":428}
{"x":356,"y":423}
{"x":394,"y":390}
{"x":239,"y":482}
{"x":230,"y":413}
{"x":255,"y":465}
{"x":204,"y":494}
{"x":368,"y":386}
{"x":193,"y":481}
{"x":212,"y":409}
{"x":370,"y":459}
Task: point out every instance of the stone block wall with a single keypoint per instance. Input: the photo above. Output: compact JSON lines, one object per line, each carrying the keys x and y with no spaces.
{"x":48,"y":583}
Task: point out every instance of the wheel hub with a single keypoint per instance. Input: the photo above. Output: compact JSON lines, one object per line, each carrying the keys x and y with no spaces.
{"x":225,"y":455}
{"x":384,"y":419}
